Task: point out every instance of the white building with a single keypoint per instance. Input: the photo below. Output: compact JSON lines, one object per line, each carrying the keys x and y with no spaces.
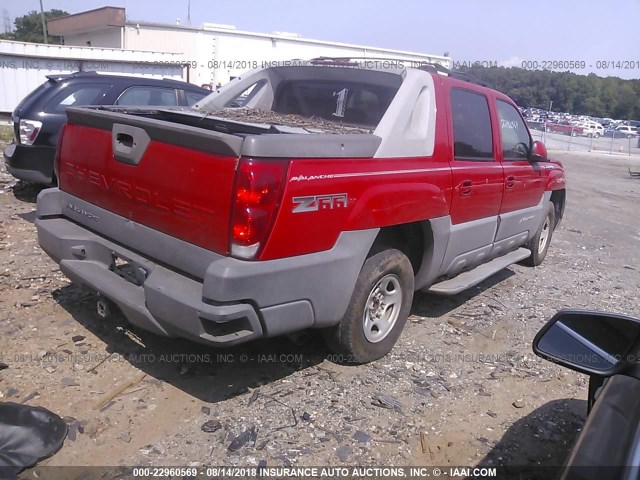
{"x":214,"y":53}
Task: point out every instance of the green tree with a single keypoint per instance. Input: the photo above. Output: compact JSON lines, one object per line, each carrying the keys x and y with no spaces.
{"x":28,"y":28}
{"x":609,"y":96}
{"x":627,"y":105}
{"x":572,"y":93}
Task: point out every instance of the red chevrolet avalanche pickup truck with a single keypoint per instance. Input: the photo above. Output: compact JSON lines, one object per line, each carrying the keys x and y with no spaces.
{"x":315,"y":194}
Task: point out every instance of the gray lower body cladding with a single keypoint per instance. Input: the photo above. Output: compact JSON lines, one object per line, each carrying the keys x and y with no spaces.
{"x":199,"y":295}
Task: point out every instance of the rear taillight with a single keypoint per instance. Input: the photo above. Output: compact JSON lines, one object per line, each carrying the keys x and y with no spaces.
{"x":56,"y":158}
{"x":29,"y":130}
{"x":256,"y":197}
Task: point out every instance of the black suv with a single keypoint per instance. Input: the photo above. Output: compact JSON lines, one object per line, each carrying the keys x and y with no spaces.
{"x":38,"y":118}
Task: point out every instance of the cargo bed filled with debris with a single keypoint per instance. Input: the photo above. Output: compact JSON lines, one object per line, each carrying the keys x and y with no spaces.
{"x":243,"y":120}
{"x":287,"y":123}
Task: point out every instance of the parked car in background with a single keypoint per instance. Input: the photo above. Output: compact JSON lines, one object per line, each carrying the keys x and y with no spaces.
{"x":39,"y":116}
{"x":535,"y":123}
{"x":622,"y":131}
{"x":591,"y":129}
{"x":564,"y":127}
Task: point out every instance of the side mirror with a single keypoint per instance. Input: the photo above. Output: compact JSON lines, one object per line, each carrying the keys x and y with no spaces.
{"x":538,"y":152}
{"x":595,"y":343}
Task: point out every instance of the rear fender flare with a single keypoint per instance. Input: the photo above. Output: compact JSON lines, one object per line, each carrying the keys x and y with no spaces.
{"x":385,"y":205}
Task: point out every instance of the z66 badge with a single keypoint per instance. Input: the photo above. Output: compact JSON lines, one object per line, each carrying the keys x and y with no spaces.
{"x":319,"y":202}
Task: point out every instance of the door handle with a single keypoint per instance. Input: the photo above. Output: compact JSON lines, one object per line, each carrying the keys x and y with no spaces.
{"x":128,"y":143}
{"x":125,"y":140}
{"x":510,"y":182}
{"x":464,"y":189}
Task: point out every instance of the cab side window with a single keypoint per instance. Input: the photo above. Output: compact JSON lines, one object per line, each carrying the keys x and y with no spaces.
{"x":471,"y":126}
{"x":516,"y":141}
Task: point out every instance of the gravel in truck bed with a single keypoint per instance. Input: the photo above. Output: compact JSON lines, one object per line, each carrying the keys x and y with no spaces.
{"x":304,"y":124}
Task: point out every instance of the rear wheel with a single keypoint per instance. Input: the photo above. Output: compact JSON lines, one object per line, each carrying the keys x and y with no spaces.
{"x":539,"y":244}
{"x":378,"y":309}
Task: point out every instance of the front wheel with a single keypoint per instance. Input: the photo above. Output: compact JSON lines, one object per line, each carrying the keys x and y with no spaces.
{"x":539,"y":244}
{"x":378,"y":309}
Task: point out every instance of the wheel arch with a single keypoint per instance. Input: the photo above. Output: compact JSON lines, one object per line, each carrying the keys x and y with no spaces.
{"x":427,"y":250}
{"x":409,"y":238}
{"x":558,"y":198}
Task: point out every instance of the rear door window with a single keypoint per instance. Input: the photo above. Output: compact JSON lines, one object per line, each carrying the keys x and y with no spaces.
{"x":77,"y":95}
{"x":144,"y":95}
{"x":472,"y":135}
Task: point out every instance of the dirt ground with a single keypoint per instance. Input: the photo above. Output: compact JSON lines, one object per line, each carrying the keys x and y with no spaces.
{"x":461,"y":387}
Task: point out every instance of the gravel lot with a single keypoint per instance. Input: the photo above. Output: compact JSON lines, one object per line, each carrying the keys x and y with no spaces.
{"x":462,"y":387}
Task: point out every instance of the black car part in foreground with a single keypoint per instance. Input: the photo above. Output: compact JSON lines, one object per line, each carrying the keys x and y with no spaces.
{"x":607,"y":348}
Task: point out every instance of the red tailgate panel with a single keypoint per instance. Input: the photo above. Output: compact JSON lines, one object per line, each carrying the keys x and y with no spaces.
{"x":182,"y":192}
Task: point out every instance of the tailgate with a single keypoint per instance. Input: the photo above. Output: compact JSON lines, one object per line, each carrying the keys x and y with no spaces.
{"x":174,"y":178}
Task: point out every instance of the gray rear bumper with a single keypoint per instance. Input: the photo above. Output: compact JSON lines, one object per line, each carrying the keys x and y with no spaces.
{"x":224,"y":301}
{"x":31,"y":163}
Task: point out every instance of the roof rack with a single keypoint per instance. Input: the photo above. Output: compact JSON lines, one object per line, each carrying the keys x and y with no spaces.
{"x":351,"y":60}
{"x":467,"y":77}
{"x":421,"y":65}
{"x":431,"y":66}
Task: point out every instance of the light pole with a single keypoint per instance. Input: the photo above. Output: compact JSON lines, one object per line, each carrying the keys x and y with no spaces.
{"x":44,"y":23}
{"x":550,"y":104}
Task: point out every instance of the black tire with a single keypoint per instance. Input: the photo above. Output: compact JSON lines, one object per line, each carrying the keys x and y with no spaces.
{"x":597,"y":135}
{"x":348,"y":339}
{"x":539,"y":249}
{"x":574,"y":133}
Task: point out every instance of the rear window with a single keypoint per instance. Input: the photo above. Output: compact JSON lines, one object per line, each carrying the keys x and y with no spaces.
{"x":26,"y":101}
{"x":348,"y":102}
{"x":76,"y":95}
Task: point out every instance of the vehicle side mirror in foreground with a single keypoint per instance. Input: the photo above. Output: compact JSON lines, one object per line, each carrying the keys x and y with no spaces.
{"x":595,"y":343}
{"x":538,"y":152}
